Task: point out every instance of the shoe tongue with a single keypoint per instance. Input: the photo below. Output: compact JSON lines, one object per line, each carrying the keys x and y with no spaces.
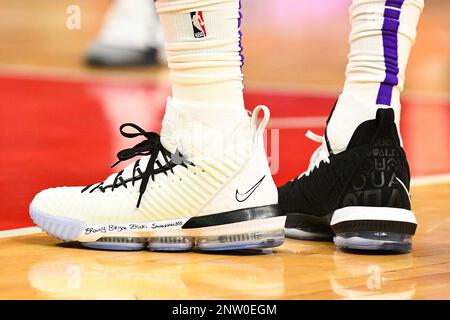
{"x":188,"y":130}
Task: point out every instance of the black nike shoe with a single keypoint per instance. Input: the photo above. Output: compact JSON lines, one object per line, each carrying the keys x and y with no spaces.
{"x":359,"y":196}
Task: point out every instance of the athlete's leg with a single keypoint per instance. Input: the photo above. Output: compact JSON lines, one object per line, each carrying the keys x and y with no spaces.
{"x":202,"y":40}
{"x":383,"y":32}
{"x":357,"y":186}
{"x":206,"y":181}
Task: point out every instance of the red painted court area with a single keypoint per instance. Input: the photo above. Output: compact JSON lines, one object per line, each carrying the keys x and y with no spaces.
{"x":57,"y":132}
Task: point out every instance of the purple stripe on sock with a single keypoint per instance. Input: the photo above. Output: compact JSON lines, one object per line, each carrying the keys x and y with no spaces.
{"x":394,"y":3}
{"x":240,"y":33}
{"x":389,"y":32}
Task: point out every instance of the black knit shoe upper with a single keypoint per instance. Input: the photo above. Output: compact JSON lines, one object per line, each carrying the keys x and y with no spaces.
{"x":373,"y":172}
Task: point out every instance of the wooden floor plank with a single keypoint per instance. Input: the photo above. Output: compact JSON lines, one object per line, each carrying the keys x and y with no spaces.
{"x":38,"y":267}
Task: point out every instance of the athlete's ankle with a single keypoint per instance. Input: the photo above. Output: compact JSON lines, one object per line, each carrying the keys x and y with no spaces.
{"x":352,"y":109}
{"x":199,"y":129}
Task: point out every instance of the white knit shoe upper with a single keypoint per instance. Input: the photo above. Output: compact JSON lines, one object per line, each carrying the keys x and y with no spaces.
{"x":208,"y":182}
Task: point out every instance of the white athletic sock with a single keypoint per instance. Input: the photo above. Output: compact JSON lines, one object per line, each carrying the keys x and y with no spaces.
{"x":383,"y":32}
{"x":202,"y":40}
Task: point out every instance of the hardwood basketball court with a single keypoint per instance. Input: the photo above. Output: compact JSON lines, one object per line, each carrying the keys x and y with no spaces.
{"x":58,"y":126}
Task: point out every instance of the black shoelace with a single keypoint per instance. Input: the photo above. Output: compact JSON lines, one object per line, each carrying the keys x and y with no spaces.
{"x":150,"y":147}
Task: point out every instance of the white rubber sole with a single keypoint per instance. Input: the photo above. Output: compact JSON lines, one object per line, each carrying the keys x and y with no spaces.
{"x":374,"y":228}
{"x":165,"y":235}
{"x":372,"y":213}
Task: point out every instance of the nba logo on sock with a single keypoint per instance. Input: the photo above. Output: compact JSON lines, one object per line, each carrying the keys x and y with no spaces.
{"x":198,"y":24}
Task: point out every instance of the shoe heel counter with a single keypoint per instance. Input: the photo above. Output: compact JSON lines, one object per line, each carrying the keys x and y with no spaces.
{"x":253,"y":186}
{"x":383,"y":177}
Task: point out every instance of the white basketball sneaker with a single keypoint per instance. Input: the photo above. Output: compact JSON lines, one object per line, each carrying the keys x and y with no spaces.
{"x":216,"y":196}
{"x":131,"y":35}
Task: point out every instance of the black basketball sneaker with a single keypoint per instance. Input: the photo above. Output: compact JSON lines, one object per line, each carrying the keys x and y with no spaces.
{"x":360,"y":197}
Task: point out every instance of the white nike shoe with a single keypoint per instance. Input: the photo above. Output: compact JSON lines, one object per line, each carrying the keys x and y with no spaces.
{"x":219,"y":196}
{"x":131,"y":35}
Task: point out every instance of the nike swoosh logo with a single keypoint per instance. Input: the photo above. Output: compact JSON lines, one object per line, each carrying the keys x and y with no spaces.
{"x":404,"y":187}
{"x":241,"y":197}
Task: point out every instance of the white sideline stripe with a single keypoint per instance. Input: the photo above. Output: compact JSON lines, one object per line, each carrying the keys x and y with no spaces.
{"x":417,"y":181}
{"x":19,"y":232}
{"x":431,"y":179}
{"x":297,"y":122}
{"x":372,"y":213}
{"x":69,"y":74}
{"x":291,"y":88}
{"x":287,"y":88}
